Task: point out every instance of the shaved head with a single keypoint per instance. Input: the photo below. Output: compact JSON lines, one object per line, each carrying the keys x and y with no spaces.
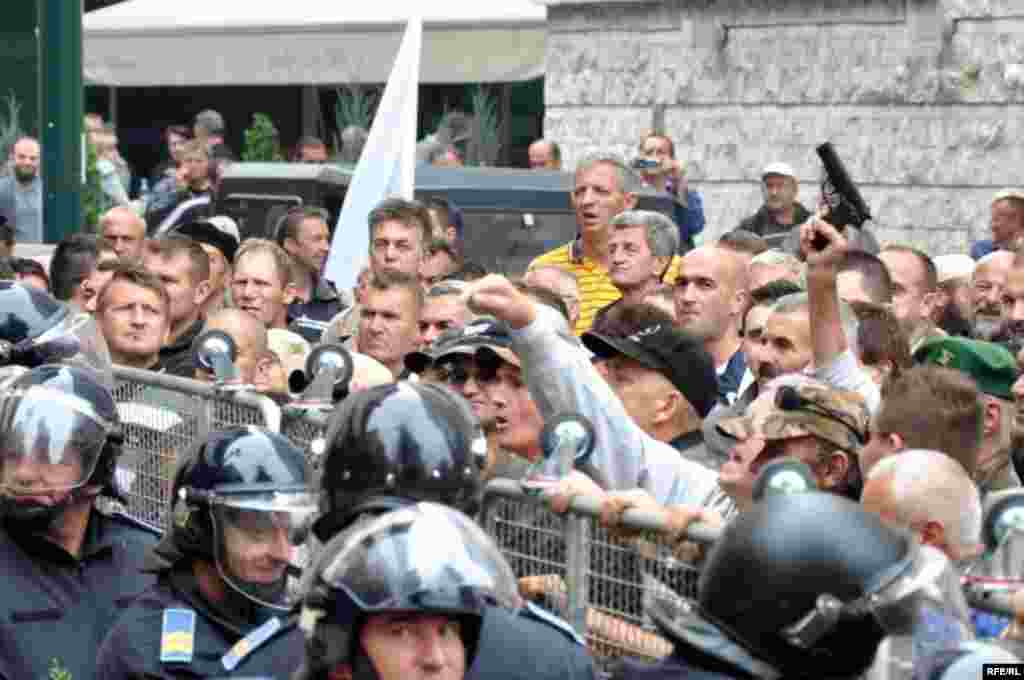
{"x":915,"y":488}
{"x":249,"y":334}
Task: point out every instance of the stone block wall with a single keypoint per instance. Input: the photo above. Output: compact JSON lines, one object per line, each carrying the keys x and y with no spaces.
{"x":923,"y":99}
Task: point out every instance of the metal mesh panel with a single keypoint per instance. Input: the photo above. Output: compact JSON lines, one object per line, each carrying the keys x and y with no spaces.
{"x":617,"y":571}
{"x":159,"y":425}
{"x":306,"y":430}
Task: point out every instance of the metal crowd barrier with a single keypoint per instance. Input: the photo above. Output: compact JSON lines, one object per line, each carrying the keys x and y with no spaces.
{"x":595,"y":580}
{"x":161,"y":417}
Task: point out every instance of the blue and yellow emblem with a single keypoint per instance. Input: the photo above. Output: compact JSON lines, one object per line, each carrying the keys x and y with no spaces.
{"x":178,"y":636}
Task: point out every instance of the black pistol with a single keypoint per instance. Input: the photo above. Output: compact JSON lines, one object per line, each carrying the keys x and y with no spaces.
{"x":845,"y":204}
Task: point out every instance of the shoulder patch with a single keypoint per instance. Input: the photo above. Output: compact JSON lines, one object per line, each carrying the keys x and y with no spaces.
{"x":177,"y":636}
{"x":561,"y":625}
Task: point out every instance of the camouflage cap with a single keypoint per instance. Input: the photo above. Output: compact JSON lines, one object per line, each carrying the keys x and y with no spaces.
{"x":797,"y":406}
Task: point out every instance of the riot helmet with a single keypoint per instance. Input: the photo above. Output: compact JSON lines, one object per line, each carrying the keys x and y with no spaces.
{"x":423,"y":558}
{"x":36,"y":329}
{"x":243,"y":499}
{"x":396,"y":444}
{"x":821,"y":583}
{"x":60,"y":437}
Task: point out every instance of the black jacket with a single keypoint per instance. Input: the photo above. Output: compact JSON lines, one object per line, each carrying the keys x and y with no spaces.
{"x":176,"y":358}
{"x":55,"y":609}
{"x":763,"y":222}
{"x":133,"y":648}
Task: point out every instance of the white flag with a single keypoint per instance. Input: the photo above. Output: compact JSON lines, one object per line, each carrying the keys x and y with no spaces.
{"x":387,"y":166}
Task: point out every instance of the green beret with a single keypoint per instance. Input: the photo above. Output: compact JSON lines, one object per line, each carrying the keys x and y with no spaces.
{"x":992,"y":366}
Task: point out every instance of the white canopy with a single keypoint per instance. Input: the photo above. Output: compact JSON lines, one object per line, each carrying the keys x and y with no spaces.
{"x":309,"y":42}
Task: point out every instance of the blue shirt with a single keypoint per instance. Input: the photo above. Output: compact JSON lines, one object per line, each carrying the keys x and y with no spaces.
{"x":22,"y":205}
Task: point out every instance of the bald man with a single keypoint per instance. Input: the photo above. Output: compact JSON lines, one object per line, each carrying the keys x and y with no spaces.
{"x":710,"y":300}
{"x":986,"y":292}
{"x":931,"y":494}
{"x":250,"y":336}
{"x":125,"y":231}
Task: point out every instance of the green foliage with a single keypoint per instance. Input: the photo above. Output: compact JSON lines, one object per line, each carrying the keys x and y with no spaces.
{"x":58,"y":671}
{"x":356,"y":105}
{"x":92,"y":191}
{"x":262,"y":142}
{"x":10,"y":123}
{"x":485,"y":141}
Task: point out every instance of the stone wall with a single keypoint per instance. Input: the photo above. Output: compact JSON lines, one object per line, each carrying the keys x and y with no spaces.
{"x":923,"y":99}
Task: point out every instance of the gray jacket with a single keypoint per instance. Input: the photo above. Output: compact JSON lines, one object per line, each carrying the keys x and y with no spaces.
{"x":562,"y":379}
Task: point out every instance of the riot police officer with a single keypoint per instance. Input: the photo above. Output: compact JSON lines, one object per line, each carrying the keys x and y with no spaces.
{"x":36,"y":329}
{"x":66,"y":567}
{"x":805,"y":586}
{"x":224,"y":599}
{"x":397,"y":444}
{"x":403,"y":596}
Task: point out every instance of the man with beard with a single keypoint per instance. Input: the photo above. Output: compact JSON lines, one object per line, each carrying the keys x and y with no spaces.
{"x":987,"y":283}
{"x":954,"y":278}
{"x":21,"y":194}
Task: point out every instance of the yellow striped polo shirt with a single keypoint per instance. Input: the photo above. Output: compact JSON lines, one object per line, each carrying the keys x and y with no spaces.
{"x":596,"y":288}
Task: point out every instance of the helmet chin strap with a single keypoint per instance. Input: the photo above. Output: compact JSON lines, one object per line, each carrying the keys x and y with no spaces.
{"x":36,"y":518}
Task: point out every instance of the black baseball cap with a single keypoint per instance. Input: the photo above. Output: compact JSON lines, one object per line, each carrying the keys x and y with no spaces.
{"x":677,"y":355}
{"x":221,"y":232}
{"x":480,"y":333}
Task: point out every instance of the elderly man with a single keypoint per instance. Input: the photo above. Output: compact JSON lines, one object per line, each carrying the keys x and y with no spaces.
{"x":994,"y":370}
{"x":931,"y":494}
{"x":125,"y":231}
{"x":953,"y":313}
{"x":987,"y":284}
{"x":133,"y":313}
{"x":665,"y":379}
{"x":914,"y":292}
{"x":604,"y":187}
{"x":711,"y":297}
{"x":1007,"y":223}
{"x":184,"y":270}
{"x":21,"y":193}
{"x":544,"y":154}
{"x":774,"y":265}
{"x":641,"y":246}
{"x":542,"y":364}
{"x":781,"y":210}
{"x":388,"y":322}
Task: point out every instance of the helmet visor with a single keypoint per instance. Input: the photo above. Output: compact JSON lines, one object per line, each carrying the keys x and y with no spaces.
{"x":423,"y":558}
{"x":50,"y":441}
{"x":256,"y":540}
{"x":75,"y":341}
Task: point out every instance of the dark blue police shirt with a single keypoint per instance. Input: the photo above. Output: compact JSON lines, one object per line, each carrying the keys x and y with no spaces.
{"x":132,"y":649}
{"x":529,"y":645}
{"x":56,"y":609}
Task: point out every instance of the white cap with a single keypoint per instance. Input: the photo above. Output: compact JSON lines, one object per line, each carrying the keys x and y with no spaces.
{"x":226,"y":225}
{"x":957,"y":266}
{"x":1008,"y":193}
{"x":784,"y":169}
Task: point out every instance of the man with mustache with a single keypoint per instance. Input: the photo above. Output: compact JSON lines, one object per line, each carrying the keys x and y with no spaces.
{"x":987,"y":283}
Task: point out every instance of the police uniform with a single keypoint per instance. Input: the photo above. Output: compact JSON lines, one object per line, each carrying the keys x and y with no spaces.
{"x":56,"y":608}
{"x":530,"y":645}
{"x":170,"y":632}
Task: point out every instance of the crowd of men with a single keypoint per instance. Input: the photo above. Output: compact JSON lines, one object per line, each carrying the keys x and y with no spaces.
{"x":890,"y":373}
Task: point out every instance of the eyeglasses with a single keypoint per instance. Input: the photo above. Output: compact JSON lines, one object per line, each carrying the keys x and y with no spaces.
{"x":458,"y":374}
